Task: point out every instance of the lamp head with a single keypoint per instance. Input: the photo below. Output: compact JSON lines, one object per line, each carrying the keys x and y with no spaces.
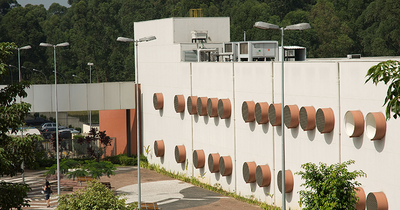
{"x":147,"y":39}
{"x":124,"y":39}
{"x":25,"y":47}
{"x":298,"y":27}
{"x":264,"y":25}
{"x":45,"y":45}
{"x":90,"y":64}
{"x":64,"y":44}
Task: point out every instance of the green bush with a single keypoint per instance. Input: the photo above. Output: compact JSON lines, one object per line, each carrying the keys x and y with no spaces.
{"x":95,"y":196}
{"x":127,"y":161}
{"x":329,"y":187}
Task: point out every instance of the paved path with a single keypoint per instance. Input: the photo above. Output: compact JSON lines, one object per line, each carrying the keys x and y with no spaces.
{"x":170,"y":194}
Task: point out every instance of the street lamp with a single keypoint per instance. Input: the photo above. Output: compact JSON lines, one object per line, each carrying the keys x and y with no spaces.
{"x":296,"y":27}
{"x":29,"y":70}
{"x":79,"y":78}
{"x":90,"y":82}
{"x":40,"y":72}
{"x":64,"y":44}
{"x":61,"y":76}
{"x":19,"y":58}
{"x":144,"y":39}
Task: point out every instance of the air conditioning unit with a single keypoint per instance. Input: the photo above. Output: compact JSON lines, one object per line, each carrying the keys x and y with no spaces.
{"x":199,"y":35}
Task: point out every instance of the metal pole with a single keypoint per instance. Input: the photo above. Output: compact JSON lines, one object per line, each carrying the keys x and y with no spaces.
{"x":22,"y":133}
{"x":90,"y":111}
{"x":137,"y":122}
{"x":19,"y":65}
{"x":58,"y":158}
{"x":283,"y":127}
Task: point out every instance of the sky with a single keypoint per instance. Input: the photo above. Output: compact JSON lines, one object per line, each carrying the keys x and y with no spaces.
{"x":46,"y":3}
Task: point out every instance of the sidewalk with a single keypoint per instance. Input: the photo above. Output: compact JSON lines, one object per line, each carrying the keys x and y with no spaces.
{"x":170,"y":194}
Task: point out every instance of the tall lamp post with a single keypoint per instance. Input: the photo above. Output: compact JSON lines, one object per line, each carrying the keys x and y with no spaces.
{"x":19,"y":59}
{"x":296,"y":27}
{"x":144,"y":39}
{"x":90,"y":82}
{"x":19,"y":79}
{"x":40,"y":72}
{"x":64,"y":44}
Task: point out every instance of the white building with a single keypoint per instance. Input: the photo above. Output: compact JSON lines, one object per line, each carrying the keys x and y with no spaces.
{"x":336,"y":85}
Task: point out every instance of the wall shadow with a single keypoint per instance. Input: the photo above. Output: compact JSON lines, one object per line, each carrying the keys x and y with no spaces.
{"x":206,"y":119}
{"x":380,"y":144}
{"x":289,"y":197}
{"x":229,"y":179}
{"x":161,"y":112}
{"x":265,"y":127}
{"x":252,"y":125}
{"x":217,"y":176}
{"x":295,"y":132}
{"x":182,"y":115}
{"x":311,"y":134}
{"x":228,"y":122}
{"x":328,"y":137}
{"x":358,"y":141}
{"x":196,"y":118}
{"x":216,"y":121}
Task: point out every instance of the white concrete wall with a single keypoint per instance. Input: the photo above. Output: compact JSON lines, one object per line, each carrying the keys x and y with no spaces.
{"x":337,"y":84}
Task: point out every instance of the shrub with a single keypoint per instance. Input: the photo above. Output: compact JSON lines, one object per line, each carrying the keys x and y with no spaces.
{"x":329,"y":187}
{"x":94,"y":196}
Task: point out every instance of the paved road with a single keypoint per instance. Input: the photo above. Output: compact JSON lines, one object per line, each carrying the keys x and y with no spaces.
{"x":170,"y":194}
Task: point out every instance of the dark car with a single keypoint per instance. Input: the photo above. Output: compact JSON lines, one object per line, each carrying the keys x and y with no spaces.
{"x":48,"y":133}
{"x":36,"y":122}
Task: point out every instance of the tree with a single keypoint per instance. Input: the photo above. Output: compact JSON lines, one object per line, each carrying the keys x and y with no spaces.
{"x":13,"y":150}
{"x":388,"y":72}
{"x":95,"y":196}
{"x":329,"y":187}
{"x":93,"y":136}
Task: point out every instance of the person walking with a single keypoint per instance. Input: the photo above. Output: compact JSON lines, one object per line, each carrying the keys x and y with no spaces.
{"x":47,"y":191}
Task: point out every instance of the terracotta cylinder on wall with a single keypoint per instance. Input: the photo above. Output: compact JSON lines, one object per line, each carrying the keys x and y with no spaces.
{"x":225,"y":165}
{"x":360,"y":194}
{"x":291,"y":116}
{"x":192,"y":105}
{"x":158,"y":101}
{"x":180,"y":153}
{"x":377,"y":201}
{"x":212,"y":107}
{"x":202,"y":106}
{"x":224,"y":108}
{"x":159,"y":148}
{"x":199,"y":158}
{"x":213,"y":162}
{"x":289,"y":181}
{"x":376,"y":125}
{"x":248,"y":111}
{"x":261,"y":112}
{"x":307,"y":118}
{"x":249,"y":172}
{"x":263,"y":175}
{"x":354,"y":123}
{"x":179,"y":103}
{"x":325,"y":119}
{"x":274,"y":114}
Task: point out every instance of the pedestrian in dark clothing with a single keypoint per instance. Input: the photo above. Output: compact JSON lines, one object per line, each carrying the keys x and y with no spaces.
{"x":47,"y":191}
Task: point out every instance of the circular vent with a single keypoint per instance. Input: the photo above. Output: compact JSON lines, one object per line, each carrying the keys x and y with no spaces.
{"x":263,"y":175}
{"x":376,"y":125}
{"x":158,"y":101}
{"x":212,"y":107}
{"x":261,"y":111}
{"x":377,"y":201}
{"x":224,"y":108}
{"x":291,"y":118}
{"x":354,"y":123}
{"x":307,"y":118}
{"x":192,"y":104}
{"x":225,"y":165}
{"x":159,"y":148}
{"x":274,"y":114}
{"x":249,"y":172}
{"x":288,"y":181}
{"x":325,"y":120}
{"x":360,"y":194}
{"x":202,"y":106}
{"x":248,"y":111}
{"x":180,"y":153}
{"x":213,"y":162}
{"x":179,"y":103}
{"x":198,"y":158}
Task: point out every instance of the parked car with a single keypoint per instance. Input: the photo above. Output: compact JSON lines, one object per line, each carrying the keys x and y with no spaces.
{"x":37,"y":121}
{"x":51,"y":125}
{"x":64,"y":133}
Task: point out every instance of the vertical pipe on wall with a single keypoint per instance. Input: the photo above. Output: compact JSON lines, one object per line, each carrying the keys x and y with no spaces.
{"x":273,"y":133}
{"x":234,"y":125}
{"x":191,"y":116}
{"x":128,"y":132}
{"x":340,"y":114}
